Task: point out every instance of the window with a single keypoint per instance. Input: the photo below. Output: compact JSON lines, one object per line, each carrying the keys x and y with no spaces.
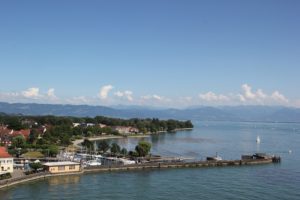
{"x":72,"y":167}
{"x":61,"y":168}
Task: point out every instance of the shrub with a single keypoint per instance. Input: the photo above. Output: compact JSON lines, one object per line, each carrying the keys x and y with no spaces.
{"x":5,"y":176}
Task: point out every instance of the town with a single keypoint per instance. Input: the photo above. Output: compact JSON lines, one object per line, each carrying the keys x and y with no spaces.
{"x":34,"y":144}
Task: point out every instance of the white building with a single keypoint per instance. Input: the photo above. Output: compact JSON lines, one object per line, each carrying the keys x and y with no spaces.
{"x":6,"y":162}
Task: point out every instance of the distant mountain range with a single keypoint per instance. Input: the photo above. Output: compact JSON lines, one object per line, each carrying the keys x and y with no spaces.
{"x":225,"y":113}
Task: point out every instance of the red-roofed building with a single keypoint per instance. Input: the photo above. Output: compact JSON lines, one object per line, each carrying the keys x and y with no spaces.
{"x":5,"y":135}
{"x":6,"y":161}
{"x":23,"y":132}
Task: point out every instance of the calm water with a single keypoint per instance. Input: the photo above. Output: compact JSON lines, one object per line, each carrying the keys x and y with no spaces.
{"x":230,"y":140}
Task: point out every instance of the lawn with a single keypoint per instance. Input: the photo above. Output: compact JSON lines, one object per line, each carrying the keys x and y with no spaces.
{"x":33,"y":154}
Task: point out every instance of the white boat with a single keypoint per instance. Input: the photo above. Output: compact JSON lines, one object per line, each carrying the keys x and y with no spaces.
{"x":214,"y":158}
{"x":126,"y":161}
{"x":93,"y":163}
{"x":258,"y":140}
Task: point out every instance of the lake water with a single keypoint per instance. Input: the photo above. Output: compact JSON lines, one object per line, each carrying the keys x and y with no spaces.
{"x":230,"y":140}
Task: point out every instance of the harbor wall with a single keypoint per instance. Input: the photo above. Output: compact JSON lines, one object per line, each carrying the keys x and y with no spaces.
{"x":168,"y":165}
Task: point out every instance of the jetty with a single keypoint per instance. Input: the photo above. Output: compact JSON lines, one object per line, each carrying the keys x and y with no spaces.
{"x":256,"y":159}
{"x":179,"y":164}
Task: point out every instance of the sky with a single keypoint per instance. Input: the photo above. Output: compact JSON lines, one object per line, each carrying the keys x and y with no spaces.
{"x":160,"y":53}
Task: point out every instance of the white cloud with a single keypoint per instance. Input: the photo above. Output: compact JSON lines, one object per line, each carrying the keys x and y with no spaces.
{"x":153,"y":97}
{"x":261,"y":94}
{"x":104,"y":91}
{"x":51,"y":95}
{"x":279,"y":97}
{"x":210,"y":96}
{"x":79,"y":100}
{"x":248,"y":95}
{"x":126,"y":94}
{"x":31,"y":93}
{"x":157,"y":101}
{"x":260,"y":97}
{"x":119,"y":94}
{"x":159,"y":98}
{"x":241,"y":98}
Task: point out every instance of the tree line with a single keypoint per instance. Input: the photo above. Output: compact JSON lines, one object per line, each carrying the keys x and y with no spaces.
{"x":142,"y":149}
{"x":47,"y":133}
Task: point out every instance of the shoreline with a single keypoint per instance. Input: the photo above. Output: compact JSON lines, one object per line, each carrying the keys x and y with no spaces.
{"x":77,"y":142}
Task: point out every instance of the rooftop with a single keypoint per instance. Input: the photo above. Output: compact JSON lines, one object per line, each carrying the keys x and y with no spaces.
{"x":51,"y":164}
{"x":3,"y":153}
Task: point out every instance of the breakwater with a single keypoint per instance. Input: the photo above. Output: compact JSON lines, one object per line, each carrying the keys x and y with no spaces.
{"x":167,"y":165}
{"x":143,"y":166}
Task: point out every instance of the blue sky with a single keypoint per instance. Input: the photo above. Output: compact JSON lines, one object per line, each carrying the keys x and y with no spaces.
{"x":156,"y":53}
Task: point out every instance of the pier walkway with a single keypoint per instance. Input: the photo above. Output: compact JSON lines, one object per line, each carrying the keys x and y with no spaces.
{"x":144,"y":166}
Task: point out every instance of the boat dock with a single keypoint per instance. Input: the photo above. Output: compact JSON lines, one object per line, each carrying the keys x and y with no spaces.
{"x":198,"y":164}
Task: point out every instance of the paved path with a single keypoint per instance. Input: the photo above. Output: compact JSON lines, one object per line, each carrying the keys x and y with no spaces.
{"x":17,"y":173}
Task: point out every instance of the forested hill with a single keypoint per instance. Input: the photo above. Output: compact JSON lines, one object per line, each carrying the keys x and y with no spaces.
{"x":227,"y":113}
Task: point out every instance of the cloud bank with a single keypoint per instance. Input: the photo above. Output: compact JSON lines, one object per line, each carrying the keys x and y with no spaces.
{"x":246,"y":96}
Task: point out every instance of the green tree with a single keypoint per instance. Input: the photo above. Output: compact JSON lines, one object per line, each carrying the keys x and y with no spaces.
{"x":18,"y":142}
{"x":36,"y":166}
{"x":65,"y":139}
{"x":51,"y":151}
{"x":171,"y":125}
{"x":42,"y":141}
{"x":33,"y":136}
{"x":143,"y":148}
{"x":188,"y":124}
{"x":115,"y":148}
{"x":133,"y":154}
{"x":88,"y":144}
{"x":14,"y":123}
{"x":124,"y":151}
{"x":103,"y":146}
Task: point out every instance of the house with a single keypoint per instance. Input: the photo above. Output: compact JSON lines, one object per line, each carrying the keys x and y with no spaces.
{"x":62,"y":167}
{"x":102,"y":125}
{"x":76,"y":124}
{"x":28,"y":122}
{"x":5,"y":135}
{"x":83,"y":125}
{"x":121,"y":129}
{"x":90,"y":124}
{"x":125,"y":129}
{"x":24,"y":132}
{"x":134,"y":130}
{"x":6,"y":162}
